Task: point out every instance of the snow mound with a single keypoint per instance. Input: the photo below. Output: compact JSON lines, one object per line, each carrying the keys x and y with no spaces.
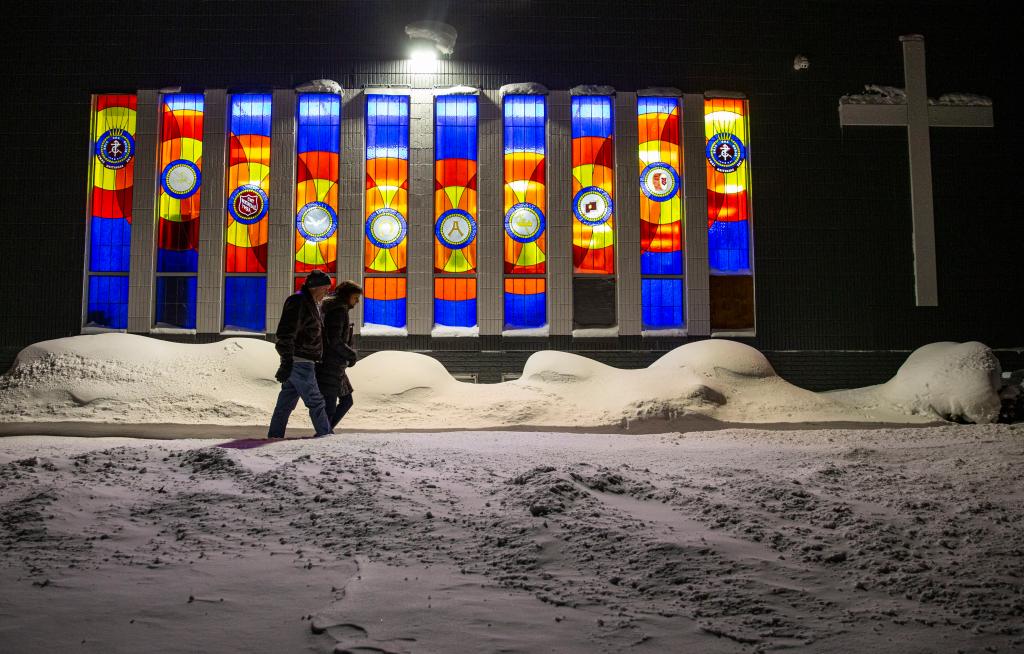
{"x":125,"y":378}
{"x":954,"y":381}
{"x":715,"y":356}
{"x":376,"y":374}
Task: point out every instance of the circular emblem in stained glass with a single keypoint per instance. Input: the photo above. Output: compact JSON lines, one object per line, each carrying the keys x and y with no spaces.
{"x":659,"y":181}
{"x":455,"y":229}
{"x":247,"y":204}
{"x":180,"y":179}
{"x":316,"y":221}
{"x":524,"y":222}
{"x":592,"y":206}
{"x":115,"y":148}
{"x":725,"y":152}
{"x":386,"y":228}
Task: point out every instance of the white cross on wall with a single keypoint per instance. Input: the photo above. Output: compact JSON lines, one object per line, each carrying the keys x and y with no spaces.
{"x":918,"y":116}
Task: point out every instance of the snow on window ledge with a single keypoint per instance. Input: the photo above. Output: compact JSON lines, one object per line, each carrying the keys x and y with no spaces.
{"x":596,"y":332}
{"x":654,"y":333}
{"x":444,"y":331}
{"x":166,"y":329}
{"x":543,"y":330}
{"x":241,"y":332}
{"x":373,"y":329}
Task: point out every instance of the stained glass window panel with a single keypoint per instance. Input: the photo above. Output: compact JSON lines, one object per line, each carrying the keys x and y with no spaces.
{"x":593,"y":185}
{"x":387,"y":183}
{"x":111,"y":184}
{"x":731,"y":291}
{"x":384,"y":301}
{"x":455,"y":208}
{"x":525,"y":303}
{"x":245,"y":300}
{"x":455,"y":301}
{"x":662,"y":303}
{"x":525,"y":187}
{"x":318,"y":131}
{"x":455,"y":202}
{"x":178,"y":193}
{"x":525,"y":205}
{"x":108,"y":301}
{"x":248,"y":183}
{"x":176,"y":302}
{"x":726,"y":131}
{"x":661,"y":212}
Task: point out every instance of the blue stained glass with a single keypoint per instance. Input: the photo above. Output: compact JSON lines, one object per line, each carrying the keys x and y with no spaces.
{"x":661,"y":263}
{"x":729,"y":246}
{"x":524,"y":123}
{"x":525,"y":310}
{"x":178,"y":101}
{"x":455,"y":136}
{"x":177,"y":260}
{"x":250,"y":113}
{"x":245,"y":303}
{"x":176,"y":302}
{"x":108,"y":302}
{"x":591,"y":116}
{"x":652,"y":105}
{"x":384,"y":312}
{"x":455,"y":313}
{"x":319,"y":123}
{"x":110,"y":244}
{"x":662,"y":303}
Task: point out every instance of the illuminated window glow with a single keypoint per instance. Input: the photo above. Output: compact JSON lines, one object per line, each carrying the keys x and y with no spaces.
{"x":387,"y":207}
{"x":178,"y":195}
{"x":111,"y":183}
{"x":661,"y":213}
{"x":248,"y":203}
{"x":318,"y":133}
{"x":525,"y":211}
{"x":727,"y":132}
{"x":455,"y":209}
{"x":593,"y":185}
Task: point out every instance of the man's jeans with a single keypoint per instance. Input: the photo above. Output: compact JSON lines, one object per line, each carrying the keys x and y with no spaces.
{"x":301,"y":383}
{"x":336,"y":412}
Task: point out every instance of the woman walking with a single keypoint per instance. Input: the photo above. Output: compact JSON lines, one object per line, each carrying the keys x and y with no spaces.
{"x":339,"y":355}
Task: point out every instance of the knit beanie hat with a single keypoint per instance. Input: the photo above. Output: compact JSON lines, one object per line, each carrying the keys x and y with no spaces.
{"x":317,"y":278}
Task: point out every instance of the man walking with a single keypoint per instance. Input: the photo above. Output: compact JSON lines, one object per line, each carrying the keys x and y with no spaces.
{"x":300,"y":342}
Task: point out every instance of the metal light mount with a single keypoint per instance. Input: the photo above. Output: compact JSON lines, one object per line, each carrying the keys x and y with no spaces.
{"x":428,"y":38}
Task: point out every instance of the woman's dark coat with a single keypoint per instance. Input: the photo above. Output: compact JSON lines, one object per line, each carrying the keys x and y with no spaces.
{"x":338,"y":351}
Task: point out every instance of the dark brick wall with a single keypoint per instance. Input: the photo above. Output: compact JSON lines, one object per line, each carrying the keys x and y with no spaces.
{"x":831,"y":206}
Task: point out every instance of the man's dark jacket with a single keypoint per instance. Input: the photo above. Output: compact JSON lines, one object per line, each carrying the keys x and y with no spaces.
{"x":339,"y":354}
{"x":300,"y":333}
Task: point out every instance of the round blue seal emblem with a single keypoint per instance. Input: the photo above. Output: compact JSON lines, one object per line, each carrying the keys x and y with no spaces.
{"x":725,"y":152}
{"x":455,"y":229}
{"x":115,"y":148}
{"x":248,"y":204}
{"x":181,"y":179}
{"x":316,"y":221}
{"x":659,"y":181}
{"x":592,"y":206}
{"x":386,"y":228}
{"x":524,"y":222}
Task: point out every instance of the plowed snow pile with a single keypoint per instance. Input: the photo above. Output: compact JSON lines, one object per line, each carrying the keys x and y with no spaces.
{"x":135,"y":379}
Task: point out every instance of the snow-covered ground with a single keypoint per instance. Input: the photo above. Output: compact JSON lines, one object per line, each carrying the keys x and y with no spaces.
{"x":895,"y":539}
{"x":134,"y":380}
